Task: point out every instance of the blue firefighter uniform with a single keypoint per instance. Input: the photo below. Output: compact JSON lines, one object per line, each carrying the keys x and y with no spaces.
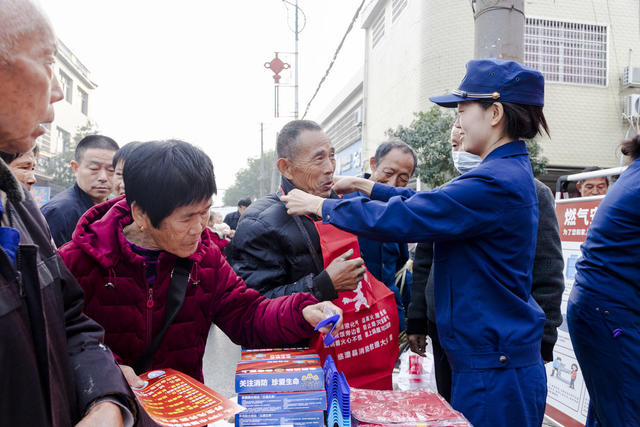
{"x":484,"y":226}
{"x":604,"y":307}
{"x":383,"y":260}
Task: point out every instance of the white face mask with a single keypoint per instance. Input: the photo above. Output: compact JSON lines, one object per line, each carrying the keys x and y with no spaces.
{"x":465,"y":162}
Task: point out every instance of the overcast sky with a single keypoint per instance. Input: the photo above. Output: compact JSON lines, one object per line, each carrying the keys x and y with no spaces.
{"x":194,"y":69}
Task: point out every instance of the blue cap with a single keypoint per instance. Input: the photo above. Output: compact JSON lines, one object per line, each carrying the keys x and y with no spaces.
{"x":498,"y":80}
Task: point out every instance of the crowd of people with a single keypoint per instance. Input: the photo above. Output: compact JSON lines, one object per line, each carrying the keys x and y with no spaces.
{"x":115,"y":275}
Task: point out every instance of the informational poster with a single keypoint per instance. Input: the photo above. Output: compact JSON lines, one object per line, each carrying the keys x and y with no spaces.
{"x":41,"y":195}
{"x":174,"y":399}
{"x":567,"y":397}
{"x":350,"y":160}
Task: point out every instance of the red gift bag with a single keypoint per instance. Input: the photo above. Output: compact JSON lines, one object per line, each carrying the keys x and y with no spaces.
{"x":367,"y":346}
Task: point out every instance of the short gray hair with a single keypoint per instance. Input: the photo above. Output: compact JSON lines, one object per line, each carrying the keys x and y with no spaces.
{"x":19,"y":18}
{"x":386,"y":147}
{"x":286,"y":145}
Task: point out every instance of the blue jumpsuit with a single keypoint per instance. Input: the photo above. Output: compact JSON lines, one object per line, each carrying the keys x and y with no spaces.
{"x":484,"y":226}
{"x":383,"y":260}
{"x":603,"y":313}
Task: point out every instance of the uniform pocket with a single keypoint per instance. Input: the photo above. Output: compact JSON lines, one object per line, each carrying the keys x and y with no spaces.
{"x":612,"y":319}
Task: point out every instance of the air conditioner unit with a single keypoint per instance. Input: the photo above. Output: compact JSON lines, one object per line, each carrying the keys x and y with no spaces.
{"x":357,"y":117}
{"x":631,"y":77}
{"x":631,"y":105}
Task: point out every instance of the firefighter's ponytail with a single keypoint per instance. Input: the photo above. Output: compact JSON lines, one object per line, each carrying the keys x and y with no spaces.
{"x":631,"y":147}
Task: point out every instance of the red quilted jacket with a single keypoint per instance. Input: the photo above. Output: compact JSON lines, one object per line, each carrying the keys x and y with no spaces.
{"x":117,"y":296}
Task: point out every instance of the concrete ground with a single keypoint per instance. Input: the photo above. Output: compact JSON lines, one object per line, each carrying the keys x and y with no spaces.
{"x":220,"y":359}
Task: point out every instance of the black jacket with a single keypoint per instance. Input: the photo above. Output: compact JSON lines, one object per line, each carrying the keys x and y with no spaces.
{"x":52,"y":361}
{"x":279,"y":254}
{"x":231,"y":219}
{"x":63,"y":212}
{"x":547,"y":278}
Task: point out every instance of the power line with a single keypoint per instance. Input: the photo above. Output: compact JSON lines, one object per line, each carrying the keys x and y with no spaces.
{"x":335,"y":55}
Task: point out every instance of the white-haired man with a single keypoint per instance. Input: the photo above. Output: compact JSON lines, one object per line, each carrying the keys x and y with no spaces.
{"x":55,"y":371}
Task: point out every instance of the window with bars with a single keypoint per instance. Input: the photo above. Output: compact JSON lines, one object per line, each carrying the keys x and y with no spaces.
{"x":45,"y":140}
{"x":397,"y":6}
{"x":377,"y":30}
{"x":67,"y":86}
{"x":567,"y":52}
{"x":346,"y":129}
{"x":63,"y":140}
{"x":84,"y":101}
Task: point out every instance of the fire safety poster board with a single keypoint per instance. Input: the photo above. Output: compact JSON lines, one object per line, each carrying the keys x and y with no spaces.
{"x":41,"y":195}
{"x":567,"y":397}
{"x":172,"y":398}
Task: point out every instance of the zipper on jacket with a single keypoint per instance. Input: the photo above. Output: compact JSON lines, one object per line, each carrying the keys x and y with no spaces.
{"x":19,"y":272}
{"x":149,"y":315}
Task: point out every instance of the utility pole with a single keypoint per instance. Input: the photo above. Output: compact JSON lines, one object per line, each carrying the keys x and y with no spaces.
{"x":296,"y":52}
{"x":499,"y":29}
{"x":261,"y":159}
{"x":274,"y":171}
{"x":295,"y":111}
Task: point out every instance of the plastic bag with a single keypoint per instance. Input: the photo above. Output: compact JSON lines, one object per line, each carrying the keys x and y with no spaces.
{"x":406,"y":408}
{"x":417,"y":372}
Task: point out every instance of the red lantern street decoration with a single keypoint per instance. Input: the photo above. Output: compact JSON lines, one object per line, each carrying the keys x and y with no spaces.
{"x":276,"y":65}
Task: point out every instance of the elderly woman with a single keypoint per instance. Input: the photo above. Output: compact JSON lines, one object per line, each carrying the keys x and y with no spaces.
{"x":124,"y":252}
{"x":23,"y":166}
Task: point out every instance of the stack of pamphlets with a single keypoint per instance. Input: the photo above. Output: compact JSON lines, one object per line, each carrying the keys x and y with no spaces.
{"x":280,"y":387}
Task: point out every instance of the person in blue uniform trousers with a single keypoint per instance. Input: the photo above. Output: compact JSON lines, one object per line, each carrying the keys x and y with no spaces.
{"x":483,"y":225}
{"x":603,"y":313}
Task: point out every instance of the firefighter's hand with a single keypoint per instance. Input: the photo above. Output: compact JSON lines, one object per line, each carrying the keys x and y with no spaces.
{"x":418,"y":343}
{"x":345,"y":273}
{"x":316,"y":313}
{"x":300,"y":203}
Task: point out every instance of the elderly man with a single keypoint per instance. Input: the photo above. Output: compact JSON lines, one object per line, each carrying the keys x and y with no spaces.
{"x":593,"y":186}
{"x":393,"y":164}
{"x":279,"y":254}
{"x":55,"y":371}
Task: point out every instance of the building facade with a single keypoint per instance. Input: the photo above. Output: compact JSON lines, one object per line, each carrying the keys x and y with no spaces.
{"x":415,"y":49}
{"x":342,"y":121}
{"x":71,"y":113}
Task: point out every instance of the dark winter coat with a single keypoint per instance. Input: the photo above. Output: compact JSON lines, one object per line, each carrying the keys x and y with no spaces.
{"x":271,"y":251}
{"x":63,"y":212}
{"x":231,"y":219}
{"x":547,"y":285}
{"x":118,"y":296}
{"x":51,"y":357}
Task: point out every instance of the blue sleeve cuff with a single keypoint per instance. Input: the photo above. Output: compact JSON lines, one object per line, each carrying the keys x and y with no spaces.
{"x":382,"y":192}
{"x":327,"y":208}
